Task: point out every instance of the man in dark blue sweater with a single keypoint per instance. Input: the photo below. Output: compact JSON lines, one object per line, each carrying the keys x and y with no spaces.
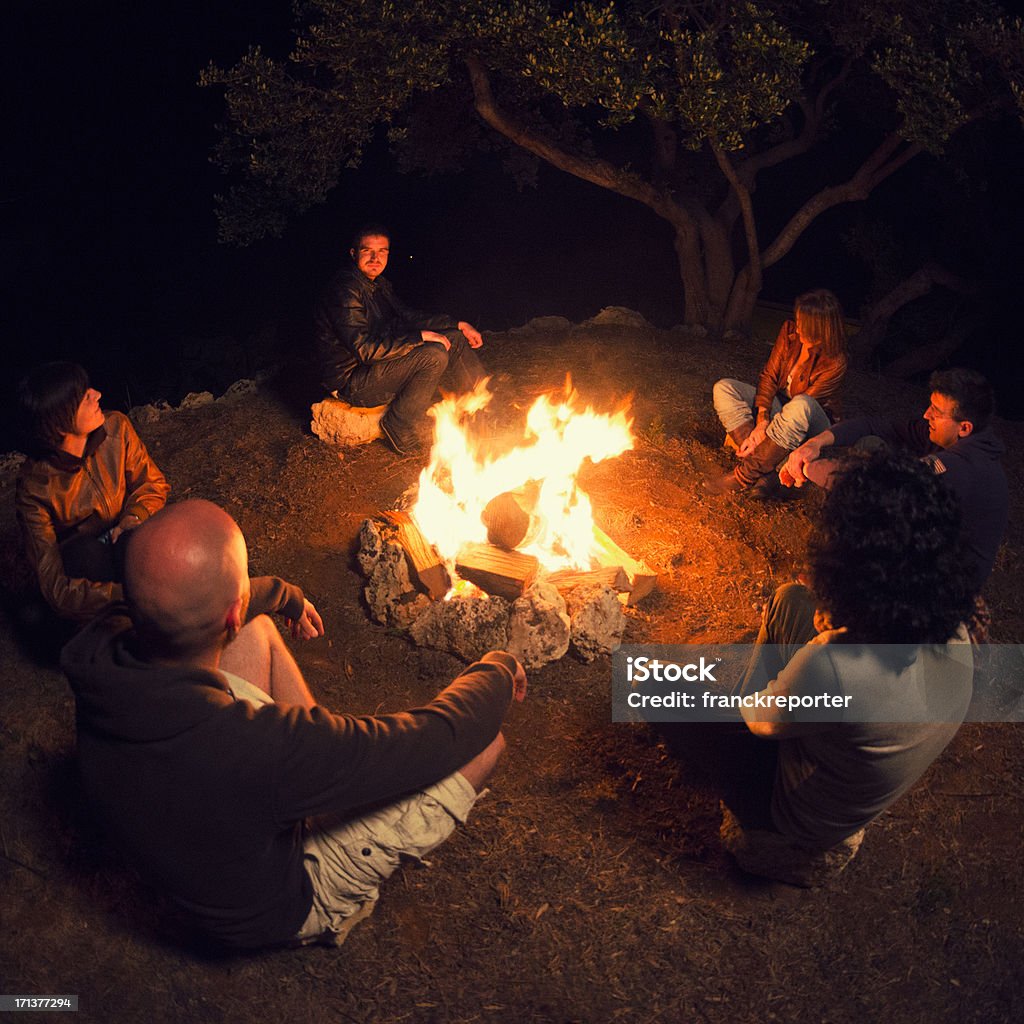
{"x":955,"y":438}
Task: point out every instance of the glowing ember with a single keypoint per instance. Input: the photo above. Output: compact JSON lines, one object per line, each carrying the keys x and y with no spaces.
{"x":465,"y":473}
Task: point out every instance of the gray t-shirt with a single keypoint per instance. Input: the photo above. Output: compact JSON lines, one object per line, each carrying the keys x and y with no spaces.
{"x":906,"y":706}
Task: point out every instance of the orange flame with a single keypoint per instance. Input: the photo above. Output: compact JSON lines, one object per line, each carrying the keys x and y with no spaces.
{"x":465,"y":473}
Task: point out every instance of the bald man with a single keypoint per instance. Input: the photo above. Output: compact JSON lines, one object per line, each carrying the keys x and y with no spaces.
{"x":204,"y":753}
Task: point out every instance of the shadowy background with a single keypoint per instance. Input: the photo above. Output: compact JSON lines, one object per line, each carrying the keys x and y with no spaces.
{"x":109,"y":253}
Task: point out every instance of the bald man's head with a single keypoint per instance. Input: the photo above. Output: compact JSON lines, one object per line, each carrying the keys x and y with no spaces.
{"x":186,"y":578}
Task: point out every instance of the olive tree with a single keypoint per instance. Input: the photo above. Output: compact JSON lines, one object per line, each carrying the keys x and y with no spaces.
{"x":693,"y":109}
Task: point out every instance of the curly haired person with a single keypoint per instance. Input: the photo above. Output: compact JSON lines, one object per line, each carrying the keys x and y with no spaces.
{"x":882,"y":625}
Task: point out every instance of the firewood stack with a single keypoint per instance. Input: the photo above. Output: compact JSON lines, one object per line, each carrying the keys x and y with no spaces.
{"x":499,"y":568}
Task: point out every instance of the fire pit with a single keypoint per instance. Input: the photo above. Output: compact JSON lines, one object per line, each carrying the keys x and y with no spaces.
{"x":498,"y":548}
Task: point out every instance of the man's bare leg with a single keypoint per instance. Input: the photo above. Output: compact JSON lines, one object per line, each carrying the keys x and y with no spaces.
{"x":480,"y":769}
{"x":259,"y":656}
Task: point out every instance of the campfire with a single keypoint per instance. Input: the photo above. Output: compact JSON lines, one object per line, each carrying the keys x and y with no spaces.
{"x":499,"y":547}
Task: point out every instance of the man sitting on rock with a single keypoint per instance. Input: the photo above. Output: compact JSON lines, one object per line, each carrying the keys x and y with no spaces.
{"x":373,"y":349}
{"x":204,"y":753}
{"x":954,"y":438}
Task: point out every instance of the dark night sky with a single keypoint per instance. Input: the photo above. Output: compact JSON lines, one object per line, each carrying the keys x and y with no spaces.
{"x":108,"y":247}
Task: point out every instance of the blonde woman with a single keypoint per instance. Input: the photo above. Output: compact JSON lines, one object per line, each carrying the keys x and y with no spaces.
{"x":797,"y":395}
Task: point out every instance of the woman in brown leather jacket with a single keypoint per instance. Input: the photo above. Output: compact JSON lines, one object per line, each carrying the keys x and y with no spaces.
{"x":797,"y":395}
{"x":88,"y":480}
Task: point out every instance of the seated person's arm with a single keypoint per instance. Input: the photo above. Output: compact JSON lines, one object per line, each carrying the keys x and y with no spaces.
{"x":146,"y":486}
{"x":810,"y":451}
{"x":805,"y":675}
{"x":72,"y":598}
{"x":369,"y":342}
{"x":271,"y":595}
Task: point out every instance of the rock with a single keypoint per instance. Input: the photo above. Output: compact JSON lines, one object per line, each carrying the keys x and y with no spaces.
{"x":542,"y":325}
{"x":241,"y":388}
{"x":597,"y":620}
{"x":771,"y":855}
{"x":617,"y":316}
{"x":467,"y":625}
{"x":195,"y":399}
{"x":538,"y":629}
{"x":392,"y":598}
{"x":142,"y":414}
{"x":694,"y":331}
{"x":337,"y":422}
{"x":10,"y":462}
{"x":371,"y":543}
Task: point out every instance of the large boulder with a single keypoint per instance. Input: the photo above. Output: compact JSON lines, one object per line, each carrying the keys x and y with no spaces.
{"x":538,"y":629}
{"x":337,"y":422}
{"x":465,"y":625}
{"x":617,"y":316}
{"x":597,"y":620}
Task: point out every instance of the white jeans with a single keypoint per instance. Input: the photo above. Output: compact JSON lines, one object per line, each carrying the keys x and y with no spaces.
{"x":791,"y":424}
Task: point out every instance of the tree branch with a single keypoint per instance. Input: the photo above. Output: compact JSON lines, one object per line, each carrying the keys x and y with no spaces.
{"x":814,"y":113}
{"x":593,"y":169}
{"x":917,"y":284}
{"x":747,"y":209}
{"x":884,"y":161}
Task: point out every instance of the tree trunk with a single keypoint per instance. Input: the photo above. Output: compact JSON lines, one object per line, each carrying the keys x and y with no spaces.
{"x":927,"y":357}
{"x":706,"y":269}
{"x":739,"y":313}
{"x":695,"y":286}
{"x":876,"y":320}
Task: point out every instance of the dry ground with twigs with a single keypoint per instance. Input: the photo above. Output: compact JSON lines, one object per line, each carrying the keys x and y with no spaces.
{"x":589,"y":886}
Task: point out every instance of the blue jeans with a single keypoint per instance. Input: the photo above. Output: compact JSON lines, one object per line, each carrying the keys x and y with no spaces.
{"x":791,"y":423}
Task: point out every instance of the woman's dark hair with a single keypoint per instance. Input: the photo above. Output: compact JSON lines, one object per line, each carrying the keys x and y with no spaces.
{"x":886,"y":557}
{"x":970,"y":391}
{"x":48,"y":398}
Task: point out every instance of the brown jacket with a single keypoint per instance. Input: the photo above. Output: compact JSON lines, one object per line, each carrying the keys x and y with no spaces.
{"x":821,"y":377}
{"x":57,"y":495}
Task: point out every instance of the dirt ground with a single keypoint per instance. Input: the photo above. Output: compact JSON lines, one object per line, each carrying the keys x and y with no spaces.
{"x":589,"y":886}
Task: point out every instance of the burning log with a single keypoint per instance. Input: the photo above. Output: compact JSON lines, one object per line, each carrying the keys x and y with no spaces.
{"x":423,"y":558}
{"x":510,"y":518}
{"x":613,"y":576}
{"x":642,"y":580}
{"x":501,"y":573}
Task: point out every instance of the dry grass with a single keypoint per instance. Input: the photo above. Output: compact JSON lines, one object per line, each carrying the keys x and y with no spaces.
{"x":589,"y":886}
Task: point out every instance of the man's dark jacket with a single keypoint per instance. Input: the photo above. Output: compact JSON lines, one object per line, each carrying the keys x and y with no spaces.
{"x":971,"y":467}
{"x":359,"y":321}
{"x":207,"y":794}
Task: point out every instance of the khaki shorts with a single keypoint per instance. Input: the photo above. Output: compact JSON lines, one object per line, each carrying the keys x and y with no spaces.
{"x":346,"y":860}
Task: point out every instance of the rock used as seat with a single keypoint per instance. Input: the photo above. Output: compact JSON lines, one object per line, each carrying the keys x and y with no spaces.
{"x":782,"y":858}
{"x":337,"y":422}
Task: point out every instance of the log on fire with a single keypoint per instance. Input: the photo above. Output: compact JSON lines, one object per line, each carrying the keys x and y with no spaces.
{"x":510,"y":517}
{"x":642,"y":580}
{"x":613,"y":576}
{"x":501,"y":573}
{"x":424,"y":561}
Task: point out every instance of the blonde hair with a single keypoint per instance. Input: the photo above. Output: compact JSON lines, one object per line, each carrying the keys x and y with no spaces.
{"x":820,"y":318}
